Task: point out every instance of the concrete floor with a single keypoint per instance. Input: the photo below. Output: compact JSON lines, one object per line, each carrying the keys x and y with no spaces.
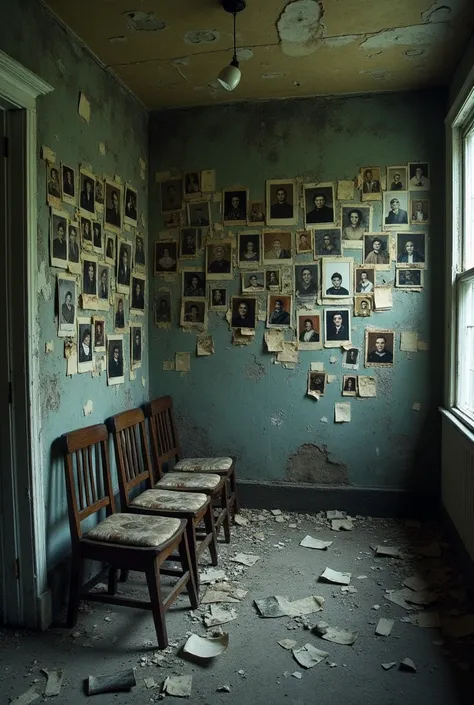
{"x":255,"y":667}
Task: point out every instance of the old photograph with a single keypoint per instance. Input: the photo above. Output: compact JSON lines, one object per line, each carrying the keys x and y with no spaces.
{"x":174,"y":219}
{"x":192,"y":184}
{"x":74,"y":251}
{"x":137,"y":296}
{"x":409,"y":278}
{"x":349,"y":385}
{"x":84,"y":345}
{"x":419,"y":211}
{"x":256,"y":213}
{"x":319,"y":202}
{"x":337,"y":324}
{"x":67,"y":305}
{"x":249,"y":246}
{"x":395,"y":210}
{"x":253,"y":282}
{"x":199,"y":214}
{"x":58,"y":238}
{"x":53,"y":186}
{"x":99,"y":334}
{"x":103,"y":284}
{"x":97,"y":242}
{"x":139,"y":258}
{"x":419,"y":175}
{"x":364,"y":280}
{"x":304,"y":242}
{"x":115,"y":360}
{"x":327,"y":243}
{"x":219,"y":260}
{"x":86,"y":233}
{"x":68,"y":180}
{"x":235,"y":205}
{"x":279,"y":311}
{"x":165,"y":258}
{"x":379,"y":347}
{"x":363,"y":305}
{"x":87,"y":193}
{"x":120,"y":319}
{"x":371,"y":183}
{"x":193,"y":282}
{"x":113,"y":205}
{"x":317,"y":382}
{"x":309,"y":330}
{"x":217,"y":299}
{"x":193,"y":312}
{"x":411,"y":249}
{"x":356,"y":221}
{"x":162,"y":307}
{"x":99,"y":196}
{"x":89,"y":275}
{"x":110,"y":247}
{"x":124,"y":263}
{"x":306,"y":283}
{"x":397,"y":178}
{"x":337,"y":277}
{"x":244,"y":312}
{"x":130,"y":208}
{"x":276,"y":246}
{"x":273,"y":279}
{"x":136,"y":345}
{"x":350,"y":359}
{"x":377,"y":250}
{"x":282,"y":204}
{"x":189,"y":242}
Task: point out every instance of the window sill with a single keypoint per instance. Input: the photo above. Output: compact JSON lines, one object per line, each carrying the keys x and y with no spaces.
{"x":461,"y":421}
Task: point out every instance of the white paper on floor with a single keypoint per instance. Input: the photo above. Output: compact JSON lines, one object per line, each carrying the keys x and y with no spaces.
{"x":247,"y":559}
{"x":309,"y":656}
{"x":310,"y":542}
{"x":179,"y":686}
{"x":334,"y":576}
{"x":206,"y":647}
{"x":335,"y":634}
{"x":280,"y":606}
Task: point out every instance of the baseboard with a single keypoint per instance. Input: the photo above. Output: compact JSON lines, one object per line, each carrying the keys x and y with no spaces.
{"x":44,"y":608}
{"x":462,"y":557}
{"x":368,"y":501}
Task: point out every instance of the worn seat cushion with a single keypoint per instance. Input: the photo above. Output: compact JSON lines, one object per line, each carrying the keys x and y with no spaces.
{"x":171,"y":501}
{"x":188,"y":480}
{"x":203,"y":465}
{"x":135,"y":530}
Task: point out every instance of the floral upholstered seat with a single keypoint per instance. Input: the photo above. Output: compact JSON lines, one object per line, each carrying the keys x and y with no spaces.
{"x":170,"y":501}
{"x":188,"y":480}
{"x":204,"y":465}
{"x":134,"y":530}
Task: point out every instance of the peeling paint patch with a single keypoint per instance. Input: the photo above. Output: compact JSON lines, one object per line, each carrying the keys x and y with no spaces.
{"x":300,"y":27}
{"x":201,"y":36}
{"x":45,"y":287}
{"x":314,"y":464}
{"x":277,"y":419}
{"x":244,"y":54}
{"x":117,"y":40}
{"x":413,"y":53}
{"x":266,"y":76}
{"x":61,"y":66}
{"x":50,"y":391}
{"x":183,"y":61}
{"x":255,"y":370}
{"x":144,"y":21}
{"x":406,"y":36}
{"x":441,"y":11}
{"x":342,"y":40}
{"x":378,"y":74}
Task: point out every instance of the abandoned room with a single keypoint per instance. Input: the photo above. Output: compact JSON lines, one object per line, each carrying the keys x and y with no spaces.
{"x":237,"y":399}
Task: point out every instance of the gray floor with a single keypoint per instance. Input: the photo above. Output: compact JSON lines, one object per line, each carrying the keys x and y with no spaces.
{"x":255,"y":667}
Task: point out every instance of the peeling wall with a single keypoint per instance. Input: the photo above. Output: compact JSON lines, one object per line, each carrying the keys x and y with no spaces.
{"x":237,"y":402}
{"x":29,"y":34}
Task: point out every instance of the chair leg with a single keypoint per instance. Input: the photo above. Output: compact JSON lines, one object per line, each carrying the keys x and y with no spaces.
{"x":123,"y":575}
{"x":157,"y":610}
{"x":211,"y":529}
{"x":191,"y":535}
{"x":225,"y":507}
{"x":233,"y":486}
{"x":74,"y":590}
{"x":187,"y":567}
{"x":112,"y":582}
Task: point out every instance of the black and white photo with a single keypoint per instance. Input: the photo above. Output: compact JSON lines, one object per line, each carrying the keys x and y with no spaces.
{"x":356,"y":221}
{"x":253,"y":282}
{"x":67,"y":298}
{"x":110,"y":245}
{"x":364,"y":279}
{"x":276,"y":246}
{"x":89,"y":275}
{"x":87,"y":193}
{"x":86,"y":233}
{"x":304,"y":242}
{"x":244,"y":312}
{"x":281,"y":202}
{"x":68,"y":180}
{"x":124,"y":264}
{"x":115,"y":360}
{"x":136,"y":345}
{"x":406,"y":278}
{"x":411,"y":249}
{"x":139,"y":257}
{"x":273,"y":279}
{"x":397,"y":178}
{"x":193,"y":282}
{"x":419,"y":211}
{"x":103,"y":287}
{"x":371,"y":183}
{"x":113,"y":206}
{"x":192,"y":184}
{"x":97,"y":243}
{"x":316,"y":383}
{"x":377,"y":250}
{"x":120,"y":320}
{"x":166,"y":258}
{"x":193,"y":313}
{"x":189,"y":242}
{"x":99,"y":196}
{"x":337,"y":325}
{"x":58,"y":239}
{"x":249,"y":248}
{"x":349,"y":385}
{"x":256,"y":213}
{"x":419,"y":173}
{"x":306,"y":283}
{"x":395,"y":210}
{"x":99,"y":334}
{"x":219,"y":260}
{"x":327,"y":243}
{"x":319,"y":201}
{"x":337,"y":277}
{"x":217,"y":299}
{"x":53,"y":186}
{"x":379,"y":348}
{"x":279,"y":311}
{"x":235,"y":206}
{"x":162,"y":307}
{"x":171,"y":195}
{"x":199,"y":214}
{"x":73,"y":248}
{"x":130,"y":207}
{"x":363,"y":305}
{"x":309,"y":331}
{"x":84,"y":345}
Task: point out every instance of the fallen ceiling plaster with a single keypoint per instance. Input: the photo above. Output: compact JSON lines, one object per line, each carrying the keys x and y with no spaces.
{"x":300,"y":27}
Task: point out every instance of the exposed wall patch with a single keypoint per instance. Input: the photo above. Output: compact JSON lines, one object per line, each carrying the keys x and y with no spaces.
{"x":378,"y":74}
{"x":424,"y":34}
{"x":272,"y":75}
{"x":117,"y":40}
{"x":300,"y":27}
{"x":314,"y":464}
{"x":442,"y":11}
{"x":413,"y":53}
{"x":333,"y":42}
{"x":201,"y":36}
{"x":144,"y":21}
{"x":244,"y":54}
{"x":183,"y":61}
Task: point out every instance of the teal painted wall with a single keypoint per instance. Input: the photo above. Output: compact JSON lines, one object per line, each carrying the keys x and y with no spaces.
{"x":237,"y":402}
{"x":30,"y":34}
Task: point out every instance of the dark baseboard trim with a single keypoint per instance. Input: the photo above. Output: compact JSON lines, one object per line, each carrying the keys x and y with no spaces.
{"x":367,"y":501}
{"x":462,"y":557}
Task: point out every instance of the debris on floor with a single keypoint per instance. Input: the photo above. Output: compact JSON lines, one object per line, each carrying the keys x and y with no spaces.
{"x":117,"y":682}
{"x":335,"y":576}
{"x":407,"y":665}
{"x":384,"y":626}
{"x":28,"y":697}
{"x":219,"y":615}
{"x":287,"y":643}
{"x":245,"y":559}
{"x":206,"y":647}
{"x":54,"y":682}
{"x":390,"y":551}
{"x":179,"y":686}
{"x":310,"y":542}
{"x":309,"y":656}
{"x":280,"y":606}
{"x":335,"y":634}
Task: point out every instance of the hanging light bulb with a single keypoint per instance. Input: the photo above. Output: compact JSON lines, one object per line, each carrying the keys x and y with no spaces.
{"x":229,"y":77}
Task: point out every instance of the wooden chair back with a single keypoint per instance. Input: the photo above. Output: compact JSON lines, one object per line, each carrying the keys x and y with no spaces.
{"x":88,"y":482}
{"x":163,"y":434}
{"x":132,"y":454}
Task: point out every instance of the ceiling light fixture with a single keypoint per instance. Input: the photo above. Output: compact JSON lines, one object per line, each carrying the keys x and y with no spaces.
{"x":229,"y":77}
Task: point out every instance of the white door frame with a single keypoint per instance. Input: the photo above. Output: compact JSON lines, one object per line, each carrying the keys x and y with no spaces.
{"x":21,"y":88}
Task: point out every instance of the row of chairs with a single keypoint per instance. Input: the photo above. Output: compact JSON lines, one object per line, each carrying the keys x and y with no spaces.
{"x":164,"y":502}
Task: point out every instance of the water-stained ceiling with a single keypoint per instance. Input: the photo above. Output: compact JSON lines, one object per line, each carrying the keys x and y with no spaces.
{"x":169,"y":52}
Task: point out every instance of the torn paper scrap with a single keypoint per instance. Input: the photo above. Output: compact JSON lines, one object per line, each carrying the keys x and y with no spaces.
{"x":426,"y":620}
{"x":182,"y":361}
{"x":280,"y":606}
{"x":316,"y":366}
{"x":398,"y":597}
{"x":309,"y":656}
{"x":345,"y":190}
{"x":168,"y":365}
{"x":204,"y":344}
{"x":208,"y":180}
{"x":102,"y":149}
{"x":223,"y":592}
{"x":274,"y":340}
{"x":26,"y":698}
{"x":367,"y":386}
{"x":54,"y":682}
{"x":342,"y":412}
{"x":416,"y":406}
{"x":310,"y":542}
{"x":88,"y":407}
{"x":407,"y":665}
{"x":240,"y":520}
{"x":335,"y":634}
{"x":384,"y":626}
{"x":334,"y":576}
{"x":289,"y":352}
{"x":245,"y":559}
{"x":179,"y":686}
{"x":342,"y":525}
{"x":389,"y":665}
{"x":48,"y":155}
{"x":287,"y":643}
{"x":383,"y":300}
{"x":408,"y":341}
{"x":206,"y":647}
{"x":49,"y":347}
{"x":211,"y":575}
{"x":84,"y":108}
{"x":391,"y":551}
{"x":219,"y":615}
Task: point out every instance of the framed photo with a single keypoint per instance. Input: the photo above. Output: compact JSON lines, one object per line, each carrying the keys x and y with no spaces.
{"x":193,"y":282}
{"x":124,"y":263}
{"x":73,"y":248}
{"x":419,"y":211}
{"x":110,"y":247}
{"x":165,"y":258}
{"x":282,"y":202}
{"x":363,"y":305}
{"x":317,"y":382}
{"x":395,"y":210}
{"x":87,"y":193}
{"x":350,"y":359}
{"x":306,"y":283}
{"x":244,"y":312}
{"x":99,"y":196}
{"x":276,"y":246}
{"x":193,"y":313}
{"x":189,"y":242}
{"x":377,"y":250}
{"x":319,"y":203}
{"x":89,"y":275}
{"x":199,"y":214}
{"x":68,"y":181}
{"x":162,"y":307}
{"x":67,"y":305}
{"x":419,"y":174}
{"x":99,"y":334}
{"x":364,"y":279}
{"x":411,"y":250}
{"x":120,"y":319}
{"x":174,"y":219}
{"x":304,"y":242}
{"x":379,"y":348}
{"x":84,"y":345}
{"x":86,"y":233}
{"x":406,"y":278}
{"x":356,"y":221}
{"x":235,"y":205}
{"x":273,"y":279}
{"x":137,"y":303}
{"x":256,"y":213}
{"x":327,"y":243}
{"x":217,"y":299}
{"x":136,"y":345}
{"x":253,"y":282}
{"x":397,"y":178}
{"x":172,"y":195}
{"x":113,"y":206}
{"x":371,"y":183}
{"x":130,"y":210}
{"x":192,"y":184}
{"x":103,"y":286}
{"x":115,"y":361}
{"x":139,"y":257}
{"x":309,"y":330}
{"x":337,"y":277}
{"x":349,"y":385}
{"x":58,"y":238}
{"x":279,"y":311}
{"x":337,"y":327}
{"x":97,"y":243}
{"x":249,"y":246}
{"x":219,"y":260}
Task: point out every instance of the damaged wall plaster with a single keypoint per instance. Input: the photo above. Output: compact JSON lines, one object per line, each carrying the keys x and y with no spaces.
{"x":300,"y":27}
{"x":144,"y":21}
{"x":425,"y":34}
{"x":312,"y":463}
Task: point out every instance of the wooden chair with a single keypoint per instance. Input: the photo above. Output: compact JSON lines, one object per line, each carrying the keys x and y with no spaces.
{"x":140,"y":543}
{"x":134,"y":470}
{"x":165,"y":444}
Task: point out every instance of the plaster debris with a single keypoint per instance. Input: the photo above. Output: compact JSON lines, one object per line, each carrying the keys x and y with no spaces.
{"x":335,"y":514}
{"x":247,"y":559}
{"x":407,"y":665}
{"x":384,"y":626}
{"x":150,"y":683}
{"x":219,"y":615}
{"x":389,"y":665}
{"x":204,"y":344}
{"x":287,"y":643}
{"x":413,"y":35}
{"x":274,"y":340}
{"x":398,"y":597}
{"x":224,"y":592}
{"x":84,"y":108}
{"x":335,"y":634}
{"x":201,"y":36}
{"x":297,"y":674}
{"x":279,"y":606}
{"x":179,"y":686}
{"x":206,"y":647}
{"x":334,"y":576}
{"x":118,"y":682}
{"x":300,"y":27}
{"x":310,"y":542}
{"x":422,"y":597}
{"x":390,"y":551}
{"x":211,"y":575}
{"x":342,"y":525}
{"x":309,"y":656}
{"x":29,"y":697}
{"x":144,"y":21}
{"x":240,"y":520}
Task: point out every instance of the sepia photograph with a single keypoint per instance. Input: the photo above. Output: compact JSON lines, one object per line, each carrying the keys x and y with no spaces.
{"x":87,"y":193}
{"x":304,"y":242}
{"x":319,"y":202}
{"x":350,"y":359}
{"x":165,"y":259}
{"x":137,"y":302}
{"x":409,"y":278}
{"x":110,"y":240}
{"x":119,"y":312}
{"x":316,"y":382}
{"x":68,"y":180}
{"x":58,"y":238}
{"x":272,"y":279}
{"x":99,"y":196}
{"x":162,"y":307}
{"x":281,"y":200}
{"x":84,"y":345}
{"x":363,"y":305}
{"x":337,"y":327}
{"x":139,"y":258}
{"x":397,"y":178}
{"x":306,"y":283}
{"x":115,"y":361}
{"x":279,"y":311}
{"x":130,"y":210}
{"x":356,"y":221}
{"x":136,"y":345}
{"x":371,"y":184}
{"x":86,"y":233}
{"x":379,"y":348}
{"x":364,"y":280}
{"x":124,"y":263}
{"x":189,"y":242}
{"x":171,"y":195}
{"x":192,"y":184}
{"x":253,"y":282}
{"x":193,"y":313}
{"x":349,"y":385}
{"x":219,"y":260}
{"x":244,"y":312}
{"x":419,"y":175}
{"x":235,"y":205}
{"x":174,"y":219}
{"x":337,"y":277}
{"x":113,"y":206}
{"x":411,"y":249}
{"x":99,"y":334}
{"x":67,"y":305}
{"x":249,"y":247}
{"x":395,"y":210}
{"x":256,"y":213}
{"x":327,"y":243}
{"x":89,"y":275}
{"x":419,"y":211}
{"x":199,"y":214}
{"x":276,"y":246}
{"x":309,"y":330}
{"x":73,"y":249}
{"x":377,"y":250}
{"x":193,"y":282}
{"x":53,"y":186}
{"x":217,"y":299}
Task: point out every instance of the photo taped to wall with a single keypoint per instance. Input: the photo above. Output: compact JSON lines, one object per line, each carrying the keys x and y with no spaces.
{"x":219,"y":260}
{"x":235,"y":201}
{"x":97,"y":242}
{"x":282,"y":205}
{"x":304,"y":242}
{"x":217,"y":299}
{"x":276,"y":246}
{"x":84,"y":345}
{"x":279,"y":311}
{"x":273,"y":279}
{"x":68,"y":180}
{"x":419,"y":173}
{"x":120,"y":319}
{"x":379,"y":347}
{"x":189,"y":242}
{"x":124,"y":263}
{"x":192,"y":184}
{"x":371,"y":183}
{"x":165,"y":258}
{"x":73,"y":249}
{"x":337,"y":324}
{"x":306,"y":283}
{"x":99,"y":334}
{"x":193,"y":282}
{"x":110,"y":247}
{"x":86,"y":233}
{"x":87,"y":193}
{"x":115,"y":360}
{"x":99,"y":195}
{"x":162,"y":307}
{"x":249,"y":246}
{"x":356,"y":221}
{"x":53,"y":186}
{"x":309,"y":330}
{"x":349,"y":385}
{"x":67,"y":305}
{"x":113,"y":206}
{"x":139,"y":258}
{"x":103,"y":286}
{"x":136,"y":345}
{"x":327,"y":243}
{"x":397,"y":178}
{"x":319,"y":202}
{"x":337,"y":277}
{"x":256,"y":213}
{"x":58,"y":238}
{"x":409,"y":278}
{"x":419,"y":211}
{"x":377,"y":250}
{"x":253,"y":282}
{"x":89,"y":275}
{"x":193,"y":313}
{"x":363,"y":305}
{"x":174,"y":219}
{"x":316,"y":383}
{"x":364,"y":279}
{"x":244,"y":312}
{"x":411,"y":249}
{"x":395,"y":210}
{"x":171,"y":195}
{"x":130,"y":210}
{"x":199,"y":214}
